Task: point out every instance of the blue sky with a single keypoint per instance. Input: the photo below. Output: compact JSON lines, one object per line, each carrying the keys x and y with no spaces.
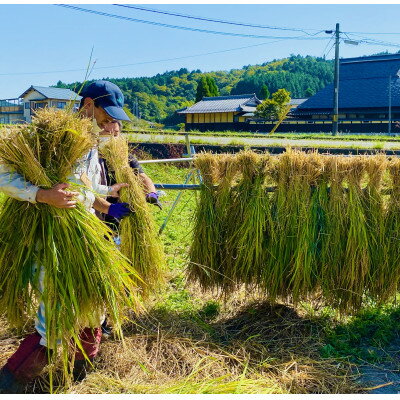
{"x":45,"y":38}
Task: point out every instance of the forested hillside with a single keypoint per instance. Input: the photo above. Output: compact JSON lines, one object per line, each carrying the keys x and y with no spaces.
{"x":160,"y":96}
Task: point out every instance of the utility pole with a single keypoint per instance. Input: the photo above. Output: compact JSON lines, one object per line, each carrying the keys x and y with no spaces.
{"x":390,"y":106}
{"x":335,"y":117}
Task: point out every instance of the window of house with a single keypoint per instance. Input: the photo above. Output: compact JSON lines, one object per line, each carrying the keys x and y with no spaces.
{"x":27,"y":105}
{"x":61,"y":104}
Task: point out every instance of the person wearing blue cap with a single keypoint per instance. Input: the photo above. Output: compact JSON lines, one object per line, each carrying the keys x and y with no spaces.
{"x":104,"y":98}
{"x":103,"y":102}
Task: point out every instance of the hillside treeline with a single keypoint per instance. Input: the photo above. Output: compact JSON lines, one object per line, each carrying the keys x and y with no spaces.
{"x":159,"y":96}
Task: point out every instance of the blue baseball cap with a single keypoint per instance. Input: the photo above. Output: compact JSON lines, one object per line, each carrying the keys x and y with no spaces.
{"x":108,"y":96}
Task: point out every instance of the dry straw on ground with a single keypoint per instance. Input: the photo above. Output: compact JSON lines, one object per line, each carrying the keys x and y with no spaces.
{"x":258,"y":348}
{"x":324,"y":227}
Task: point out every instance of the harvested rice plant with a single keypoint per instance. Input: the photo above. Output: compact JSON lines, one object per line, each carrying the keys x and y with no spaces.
{"x":297,"y":225}
{"x":138,"y":232}
{"x":63,"y":258}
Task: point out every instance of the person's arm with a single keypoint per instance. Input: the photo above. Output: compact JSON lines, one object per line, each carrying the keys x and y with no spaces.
{"x":14,"y":185}
{"x":57,"y":196}
{"x":101,"y":205}
{"x":117,"y":210}
{"x":147,"y":183}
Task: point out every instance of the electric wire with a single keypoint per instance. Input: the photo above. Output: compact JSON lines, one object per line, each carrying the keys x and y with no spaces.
{"x":221,"y":21}
{"x":363,"y":39}
{"x":186,"y":28}
{"x":323,"y":53}
{"x":333,"y":45}
{"x":375,"y":33}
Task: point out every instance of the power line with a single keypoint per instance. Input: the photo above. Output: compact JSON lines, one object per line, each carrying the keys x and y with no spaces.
{"x":221,"y":21}
{"x":333,"y":45}
{"x":323,"y":53}
{"x":376,"y":43}
{"x":375,"y":33}
{"x":372,"y":41}
{"x":143,"y":62}
{"x":186,"y":28}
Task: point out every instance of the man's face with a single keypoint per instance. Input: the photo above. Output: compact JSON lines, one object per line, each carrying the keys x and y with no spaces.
{"x":111,"y":128}
{"x":89,"y":110}
{"x":101,"y":117}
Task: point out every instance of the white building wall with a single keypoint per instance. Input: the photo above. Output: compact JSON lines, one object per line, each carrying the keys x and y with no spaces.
{"x":30,"y":96}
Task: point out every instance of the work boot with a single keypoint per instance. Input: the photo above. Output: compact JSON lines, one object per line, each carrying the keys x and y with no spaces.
{"x":81,"y":368}
{"x":9,"y":383}
{"x":24,"y":365}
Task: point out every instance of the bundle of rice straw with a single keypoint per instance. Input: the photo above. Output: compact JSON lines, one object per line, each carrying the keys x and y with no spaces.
{"x":327,"y":226}
{"x":374,"y":210}
{"x":355,"y":273}
{"x":139,"y":239}
{"x":390,"y":275}
{"x":227,"y":171}
{"x":205,"y":250}
{"x":249,"y":214}
{"x":83,"y":273}
{"x":304,"y":271}
{"x":334,"y":230}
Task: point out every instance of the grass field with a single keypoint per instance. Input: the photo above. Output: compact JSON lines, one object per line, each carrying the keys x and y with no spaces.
{"x":295,"y":136}
{"x":303,"y":141}
{"x":191,"y":341}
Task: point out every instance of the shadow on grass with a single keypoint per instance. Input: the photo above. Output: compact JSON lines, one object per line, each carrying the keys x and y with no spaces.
{"x":266,"y":338}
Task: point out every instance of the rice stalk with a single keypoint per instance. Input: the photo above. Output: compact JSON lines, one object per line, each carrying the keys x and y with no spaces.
{"x":391,"y":273}
{"x":355,"y":273}
{"x":204,"y":251}
{"x":375,"y":213}
{"x":83,"y":274}
{"x":227,"y":171}
{"x":139,"y":239}
{"x":288,"y":200}
{"x":248,"y":216}
{"x":304,"y":271}
{"x":333,"y":245}
{"x":297,"y":218}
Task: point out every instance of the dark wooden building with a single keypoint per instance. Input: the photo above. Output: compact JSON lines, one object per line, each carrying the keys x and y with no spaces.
{"x":369,"y":94}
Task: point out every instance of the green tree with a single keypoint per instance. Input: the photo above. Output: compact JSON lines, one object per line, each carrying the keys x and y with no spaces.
{"x":212,"y":86}
{"x":275,"y":108}
{"x":309,"y":92}
{"x":264,"y":93}
{"x":202,"y":89}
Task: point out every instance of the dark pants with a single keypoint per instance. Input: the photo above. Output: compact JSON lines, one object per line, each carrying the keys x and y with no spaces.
{"x":31,"y":357}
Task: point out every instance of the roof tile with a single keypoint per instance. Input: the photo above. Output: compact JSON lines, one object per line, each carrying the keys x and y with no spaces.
{"x":244,"y":102}
{"x":363,"y":83}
